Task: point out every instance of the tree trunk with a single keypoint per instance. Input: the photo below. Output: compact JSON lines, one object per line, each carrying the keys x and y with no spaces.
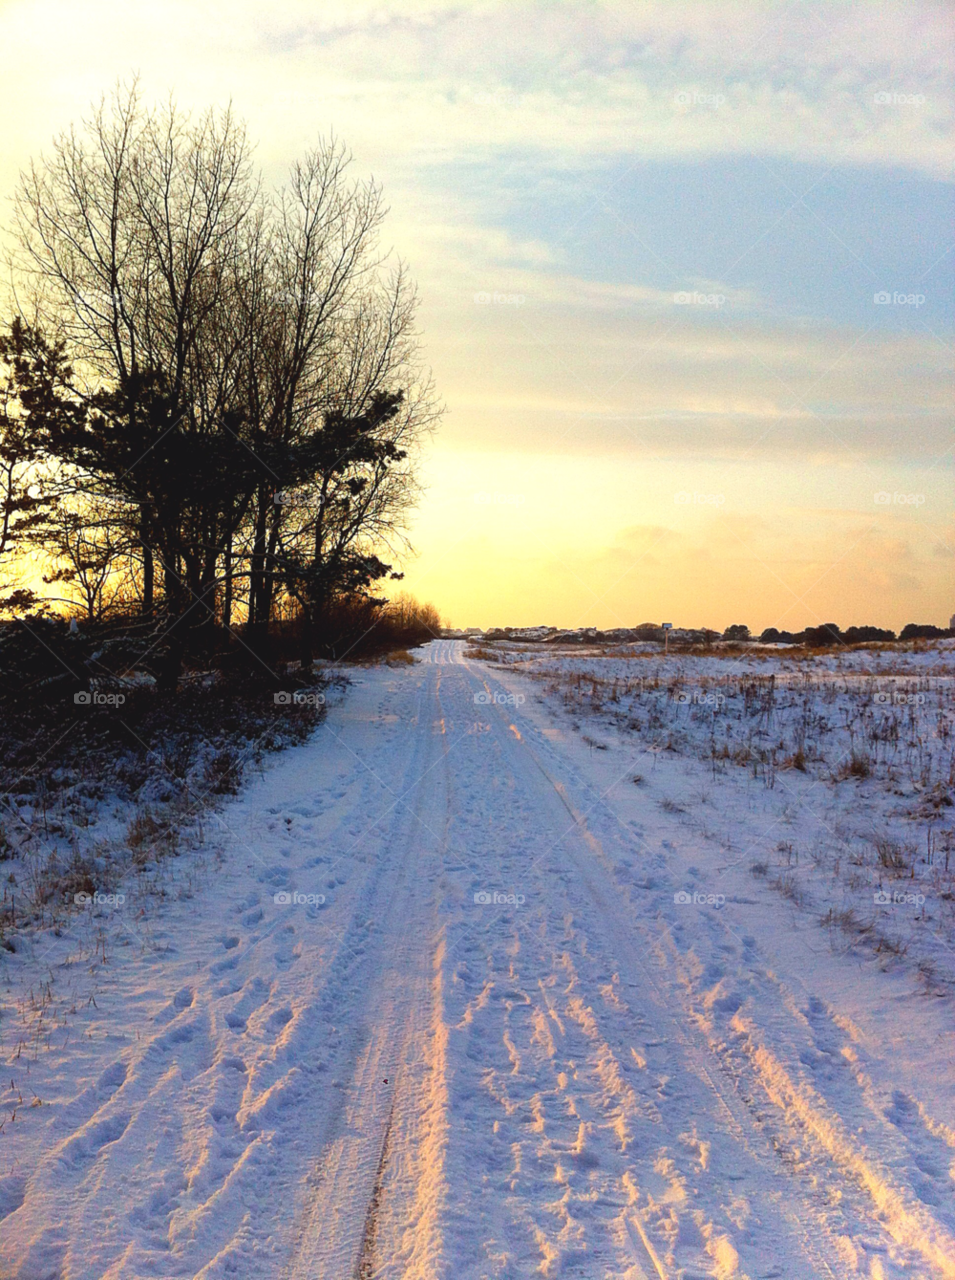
{"x":176,"y":600}
{"x":209,"y":589}
{"x":268,"y":576}
{"x":170,"y":667}
{"x":227,"y":586}
{"x":149,"y":568}
{"x":305,"y":640}
{"x":257,"y":571}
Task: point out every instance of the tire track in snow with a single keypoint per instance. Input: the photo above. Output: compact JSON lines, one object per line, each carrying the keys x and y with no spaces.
{"x":808,"y":1114}
{"x":338,"y":1229}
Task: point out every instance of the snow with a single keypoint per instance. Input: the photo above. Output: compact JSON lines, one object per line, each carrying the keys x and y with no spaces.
{"x":432,"y":1003}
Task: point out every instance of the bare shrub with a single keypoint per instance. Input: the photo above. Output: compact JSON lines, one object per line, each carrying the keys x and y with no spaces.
{"x":891,"y":853}
{"x":223,"y":773}
{"x":858,"y":765}
{"x":785,"y":883}
{"x":149,"y":836}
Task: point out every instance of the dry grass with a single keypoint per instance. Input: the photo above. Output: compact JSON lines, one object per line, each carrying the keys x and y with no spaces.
{"x":163,"y":763}
{"x":786,"y":884}
{"x":481,"y":653}
{"x":892,"y":854}
{"x":671,"y":806}
{"x":858,"y":765}
{"x":150,"y":837}
{"x":882,"y":724}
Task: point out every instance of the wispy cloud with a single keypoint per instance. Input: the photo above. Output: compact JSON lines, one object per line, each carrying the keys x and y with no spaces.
{"x":804,"y":80}
{"x":801,"y":80}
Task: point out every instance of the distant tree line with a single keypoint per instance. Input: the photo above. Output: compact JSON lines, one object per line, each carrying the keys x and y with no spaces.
{"x":829,"y":634}
{"x":211,"y":398}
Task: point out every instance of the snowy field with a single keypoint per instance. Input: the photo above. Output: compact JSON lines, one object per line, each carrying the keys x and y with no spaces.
{"x":833,"y":772}
{"x":559,"y":965}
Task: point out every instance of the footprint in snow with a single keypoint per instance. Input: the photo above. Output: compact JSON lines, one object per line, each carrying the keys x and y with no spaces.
{"x":13,"y":1190}
{"x":181,"y":1000}
{"x":254,"y":994}
{"x":113,"y":1077}
{"x":91,"y":1140}
{"x":279,"y":1019}
{"x":177,"y":1036}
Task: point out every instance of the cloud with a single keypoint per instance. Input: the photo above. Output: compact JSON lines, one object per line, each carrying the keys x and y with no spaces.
{"x":580,"y":379}
{"x":576,"y":80}
{"x":705,"y":78}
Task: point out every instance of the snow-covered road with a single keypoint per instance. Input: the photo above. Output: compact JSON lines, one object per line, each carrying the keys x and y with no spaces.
{"x":504,"y":1044}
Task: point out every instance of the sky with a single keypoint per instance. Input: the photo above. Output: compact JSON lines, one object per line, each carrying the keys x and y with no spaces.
{"x":685,"y":269}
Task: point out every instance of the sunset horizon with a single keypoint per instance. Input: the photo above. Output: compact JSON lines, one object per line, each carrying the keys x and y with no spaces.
{"x":685,"y":281}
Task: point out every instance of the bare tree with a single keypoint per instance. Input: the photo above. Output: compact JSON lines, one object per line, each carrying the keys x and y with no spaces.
{"x":342,"y":350}
{"x":132,"y":251}
{"x":92,"y":556}
{"x":247,"y":365}
{"x":28,"y":385}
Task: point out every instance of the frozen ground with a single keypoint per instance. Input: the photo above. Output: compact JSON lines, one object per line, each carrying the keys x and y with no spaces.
{"x":460,"y":998}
